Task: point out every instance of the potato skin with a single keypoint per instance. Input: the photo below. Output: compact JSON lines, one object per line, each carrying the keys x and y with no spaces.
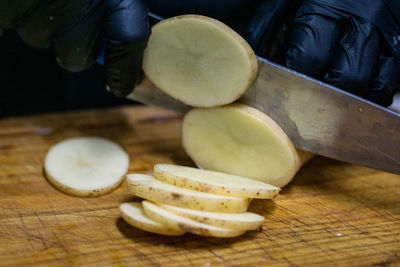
{"x":153,"y":65}
{"x":188,"y":225}
{"x":217,"y":139}
{"x":77,"y":153}
{"x":136,"y":219}
{"x":181,"y":176}
{"x":235,"y":221}
{"x":198,"y":202}
{"x":79,"y":192}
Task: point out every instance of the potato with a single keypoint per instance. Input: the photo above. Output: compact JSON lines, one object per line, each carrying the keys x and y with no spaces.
{"x":199,"y":61}
{"x":177,"y":222}
{"x":241,"y":140}
{"x":86,"y":166}
{"x":133,"y":214}
{"x":214,"y":182}
{"x":238,"y":221}
{"x":147,"y":187}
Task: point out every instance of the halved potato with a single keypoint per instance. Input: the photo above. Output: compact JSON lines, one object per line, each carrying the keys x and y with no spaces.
{"x":199,"y":61}
{"x":213,"y":182}
{"x":239,"y":221}
{"x":241,"y":140}
{"x":133,"y":213}
{"x":86,"y":166}
{"x":185,"y":224}
{"x":147,"y":187}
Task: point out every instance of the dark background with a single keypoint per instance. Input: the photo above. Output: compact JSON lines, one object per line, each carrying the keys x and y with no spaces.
{"x":31,"y":82}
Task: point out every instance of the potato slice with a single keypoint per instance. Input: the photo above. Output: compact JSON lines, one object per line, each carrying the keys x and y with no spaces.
{"x":214,"y":182}
{"x":199,"y":61}
{"x":133,"y":213}
{"x":147,"y":187}
{"x":181,"y":223}
{"x":241,"y":140}
{"x":86,"y":166}
{"x":238,"y":221}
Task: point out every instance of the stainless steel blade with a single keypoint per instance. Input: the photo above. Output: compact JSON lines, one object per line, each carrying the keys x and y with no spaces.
{"x":147,"y":93}
{"x":326,"y":120}
{"x":316,"y":116}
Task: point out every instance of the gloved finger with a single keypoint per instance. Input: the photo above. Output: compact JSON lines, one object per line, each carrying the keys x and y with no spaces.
{"x":386,"y":83}
{"x":77,"y":47}
{"x":355,"y":59}
{"x":263,"y":28}
{"x":126,"y":33}
{"x":313,"y":45}
{"x":45,"y":18}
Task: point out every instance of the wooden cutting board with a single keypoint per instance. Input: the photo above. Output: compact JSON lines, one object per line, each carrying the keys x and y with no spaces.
{"x":333,"y":213}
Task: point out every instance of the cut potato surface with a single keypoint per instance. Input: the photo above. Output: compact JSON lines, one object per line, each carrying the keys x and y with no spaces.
{"x":145,"y":186}
{"x":199,"y":61}
{"x":133,"y":214}
{"x":239,"y":221}
{"x":241,"y":140}
{"x":177,"y":222}
{"x":213,"y":182}
{"x":86,"y":166}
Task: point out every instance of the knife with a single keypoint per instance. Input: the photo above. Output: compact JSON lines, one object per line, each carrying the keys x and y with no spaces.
{"x":317,"y":117}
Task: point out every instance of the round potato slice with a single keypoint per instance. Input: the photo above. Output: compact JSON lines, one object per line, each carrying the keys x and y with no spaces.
{"x":185,"y":224}
{"x":199,"y":61}
{"x":145,"y":186}
{"x":214,"y":182}
{"x":238,"y":221}
{"x":86,"y":166}
{"x":241,"y":140}
{"x":133,"y":214}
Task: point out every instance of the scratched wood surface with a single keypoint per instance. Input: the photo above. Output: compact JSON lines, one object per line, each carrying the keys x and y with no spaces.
{"x":331,"y":214}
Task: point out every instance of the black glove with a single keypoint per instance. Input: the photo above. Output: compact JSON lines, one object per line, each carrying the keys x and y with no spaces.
{"x":351,"y":44}
{"x":262,"y":23}
{"x":78,"y":29}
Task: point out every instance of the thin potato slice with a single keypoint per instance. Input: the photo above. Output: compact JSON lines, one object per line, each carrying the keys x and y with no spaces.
{"x":238,"y":221}
{"x":133,"y":214}
{"x":241,"y":140}
{"x":199,"y":61}
{"x":86,"y":166}
{"x":147,"y":187}
{"x":214,"y":182}
{"x":185,"y":224}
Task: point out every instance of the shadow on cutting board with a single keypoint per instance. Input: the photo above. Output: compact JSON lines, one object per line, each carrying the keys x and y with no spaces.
{"x":186,"y":241}
{"x":190,"y":241}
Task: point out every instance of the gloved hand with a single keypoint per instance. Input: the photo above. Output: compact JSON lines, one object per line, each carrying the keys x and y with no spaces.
{"x":351,"y":44}
{"x":78,"y":29}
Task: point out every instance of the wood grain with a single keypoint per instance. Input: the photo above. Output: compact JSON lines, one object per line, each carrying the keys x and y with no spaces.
{"x":333,"y":213}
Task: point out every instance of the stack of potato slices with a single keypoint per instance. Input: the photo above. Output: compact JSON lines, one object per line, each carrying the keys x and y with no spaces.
{"x":182,"y":199}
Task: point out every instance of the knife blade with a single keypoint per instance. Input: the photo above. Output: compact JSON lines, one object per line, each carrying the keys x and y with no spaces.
{"x":326,"y":120}
{"x":317,"y":117}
